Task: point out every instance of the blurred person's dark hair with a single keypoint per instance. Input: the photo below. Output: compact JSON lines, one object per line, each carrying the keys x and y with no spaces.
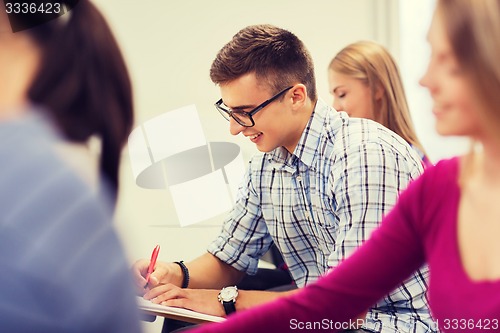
{"x":83,"y":83}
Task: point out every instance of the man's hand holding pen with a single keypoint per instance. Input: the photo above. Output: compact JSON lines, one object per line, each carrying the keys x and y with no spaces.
{"x":162,"y":273}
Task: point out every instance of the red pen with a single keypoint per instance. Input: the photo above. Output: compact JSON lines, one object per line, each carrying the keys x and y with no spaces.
{"x":152,"y":263}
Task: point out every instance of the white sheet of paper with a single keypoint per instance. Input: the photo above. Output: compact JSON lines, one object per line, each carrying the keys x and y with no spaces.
{"x":163,"y":309}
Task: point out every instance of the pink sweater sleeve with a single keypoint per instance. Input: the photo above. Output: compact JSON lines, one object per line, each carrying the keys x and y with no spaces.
{"x":392,"y":253}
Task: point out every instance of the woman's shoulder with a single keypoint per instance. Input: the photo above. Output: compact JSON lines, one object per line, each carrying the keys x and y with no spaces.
{"x":445,"y":169}
{"x":438,"y":177}
{"x":436,"y":182}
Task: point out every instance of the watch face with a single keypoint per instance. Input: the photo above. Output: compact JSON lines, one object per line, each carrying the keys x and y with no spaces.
{"x":228,"y":294}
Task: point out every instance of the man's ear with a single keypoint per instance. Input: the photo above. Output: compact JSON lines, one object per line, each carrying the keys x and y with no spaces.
{"x":298,"y":95}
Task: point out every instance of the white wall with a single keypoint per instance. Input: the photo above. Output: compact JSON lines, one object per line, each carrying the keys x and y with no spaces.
{"x":415,"y":17}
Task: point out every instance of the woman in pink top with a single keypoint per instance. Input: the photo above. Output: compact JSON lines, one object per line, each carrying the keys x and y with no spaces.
{"x":449,"y":217}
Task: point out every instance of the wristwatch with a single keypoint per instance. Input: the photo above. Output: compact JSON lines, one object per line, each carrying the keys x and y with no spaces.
{"x":227,"y":296}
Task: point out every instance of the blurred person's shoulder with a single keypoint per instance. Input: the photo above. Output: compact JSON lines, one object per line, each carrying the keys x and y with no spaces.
{"x":33,"y":165}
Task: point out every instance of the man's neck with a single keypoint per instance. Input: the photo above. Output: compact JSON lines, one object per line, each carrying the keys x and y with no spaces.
{"x":304,"y":117}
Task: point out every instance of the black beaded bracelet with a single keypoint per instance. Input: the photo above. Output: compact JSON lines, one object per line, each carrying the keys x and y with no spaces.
{"x":185,"y":273}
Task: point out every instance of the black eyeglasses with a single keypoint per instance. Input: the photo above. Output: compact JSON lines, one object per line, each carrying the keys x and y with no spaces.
{"x":245,"y":118}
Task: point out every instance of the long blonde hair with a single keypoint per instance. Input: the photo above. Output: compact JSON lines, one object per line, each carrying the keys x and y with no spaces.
{"x":372,"y":63}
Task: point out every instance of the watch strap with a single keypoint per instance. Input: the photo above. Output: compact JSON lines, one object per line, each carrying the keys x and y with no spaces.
{"x":229,"y":307}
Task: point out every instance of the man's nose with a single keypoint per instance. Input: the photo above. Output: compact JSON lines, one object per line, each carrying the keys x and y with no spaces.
{"x":234,"y":127}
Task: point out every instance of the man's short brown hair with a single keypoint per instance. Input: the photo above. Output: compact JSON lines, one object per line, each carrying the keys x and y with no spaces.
{"x":276,"y":56}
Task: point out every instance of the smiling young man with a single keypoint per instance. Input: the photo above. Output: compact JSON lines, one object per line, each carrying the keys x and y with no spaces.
{"x":320,"y":186}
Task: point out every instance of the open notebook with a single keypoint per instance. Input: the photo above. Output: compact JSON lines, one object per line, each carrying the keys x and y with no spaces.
{"x":176,"y":313}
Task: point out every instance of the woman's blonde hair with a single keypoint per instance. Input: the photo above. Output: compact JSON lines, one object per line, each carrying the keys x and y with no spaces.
{"x":372,"y":63}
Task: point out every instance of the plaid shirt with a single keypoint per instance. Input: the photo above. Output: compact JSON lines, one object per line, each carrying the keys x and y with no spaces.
{"x":322,"y":202}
